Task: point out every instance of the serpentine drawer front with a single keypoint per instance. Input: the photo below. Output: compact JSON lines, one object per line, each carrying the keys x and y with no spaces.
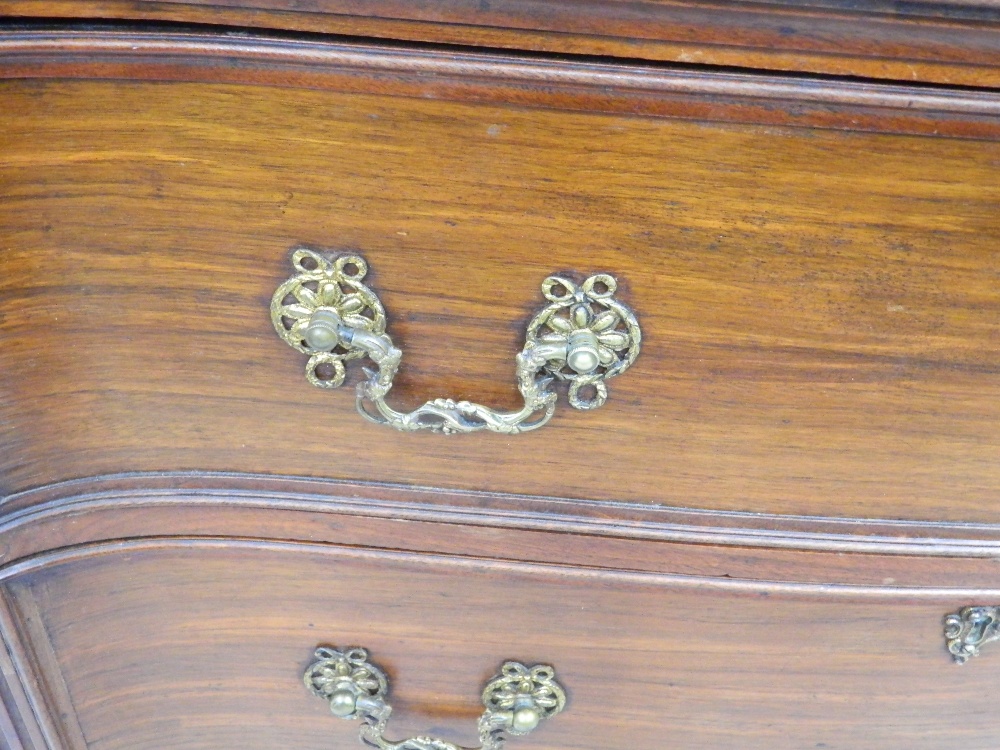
{"x":818,"y":306}
{"x":203,"y":644}
{"x":779,"y":529}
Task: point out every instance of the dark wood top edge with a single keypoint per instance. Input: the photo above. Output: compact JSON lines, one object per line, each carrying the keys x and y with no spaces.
{"x":510,"y":79}
{"x":819,"y":34}
{"x":600,"y":575}
{"x":505,"y":67}
{"x":870,"y":5}
{"x":558,"y":515}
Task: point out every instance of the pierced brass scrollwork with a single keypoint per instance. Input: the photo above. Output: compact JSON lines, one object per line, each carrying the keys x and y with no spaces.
{"x":516,"y":700}
{"x":583,"y":336}
{"x":969,"y":629}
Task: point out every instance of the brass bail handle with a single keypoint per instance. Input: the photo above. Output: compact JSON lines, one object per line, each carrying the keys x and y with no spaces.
{"x":584,"y":336}
{"x":516,"y":700}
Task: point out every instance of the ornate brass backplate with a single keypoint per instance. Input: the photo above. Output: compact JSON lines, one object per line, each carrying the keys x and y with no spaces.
{"x":516,"y":700}
{"x":967,"y":630}
{"x":583,"y":336}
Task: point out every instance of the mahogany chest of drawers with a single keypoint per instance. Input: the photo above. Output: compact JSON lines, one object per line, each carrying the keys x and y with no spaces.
{"x":763,"y":239}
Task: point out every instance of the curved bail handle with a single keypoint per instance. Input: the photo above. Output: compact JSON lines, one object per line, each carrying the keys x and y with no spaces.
{"x":584,"y":336}
{"x":515,"y":701}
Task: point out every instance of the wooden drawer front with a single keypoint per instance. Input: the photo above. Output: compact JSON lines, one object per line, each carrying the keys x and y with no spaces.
{"x":820,"y":307}
{"x":202,"y":645}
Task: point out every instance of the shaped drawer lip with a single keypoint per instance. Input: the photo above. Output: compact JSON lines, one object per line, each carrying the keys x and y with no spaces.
{"x":593,"y":518}
{"x":599,"y":575}
{"x":576,"y":85}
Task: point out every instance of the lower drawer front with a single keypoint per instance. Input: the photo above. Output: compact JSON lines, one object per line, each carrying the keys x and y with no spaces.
{"x":202,"y":645}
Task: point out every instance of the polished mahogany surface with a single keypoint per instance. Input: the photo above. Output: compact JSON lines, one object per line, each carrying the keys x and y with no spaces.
{"x":818,"y":304}
{"x":201,"y":645}
{"x":179,"y":612}
{"x":753,"y":543}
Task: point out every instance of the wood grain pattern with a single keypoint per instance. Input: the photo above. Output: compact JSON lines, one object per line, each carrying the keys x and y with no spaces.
{"x":181,"y":618}
{"x":953,"y":43}
{"x":211,"y":655}
{"x":821,"y":328}
{"x":754,"y":542}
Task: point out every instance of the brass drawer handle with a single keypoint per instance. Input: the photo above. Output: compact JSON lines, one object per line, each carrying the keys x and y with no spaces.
{"x":969,"y":629}
{"x":584,"y":336}
{"x":516,"y":700}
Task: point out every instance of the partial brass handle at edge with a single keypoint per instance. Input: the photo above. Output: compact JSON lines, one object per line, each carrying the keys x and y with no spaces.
{"x":969,"y":629}
{"x":516,"y":700}
{"x":584,"y":336}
